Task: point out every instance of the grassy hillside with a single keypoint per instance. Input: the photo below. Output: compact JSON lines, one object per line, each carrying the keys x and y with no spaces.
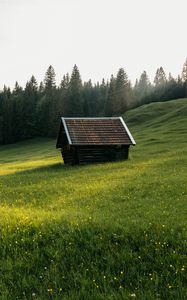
{"x":106,"y":231}
{"x":161,"y":126}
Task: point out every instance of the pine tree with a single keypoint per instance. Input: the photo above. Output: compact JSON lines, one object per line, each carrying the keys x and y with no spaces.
{"x":17,"y":102}
{"x":122,"y":93}
{"x":61,"y":99}
{"x":49,"y":80}
{"x":109,"y":109}
{"x":64,"y":84}
{"x":144,"y":82}
{"x":74,"y":108}
{"x":50,"y":102}
{"x":160,"y":87}
{"x":160,"y":77}
{"x":29,"y":108}
{"x":88,"y":99}
{"x":103,"y":94}
{"x":46,"y":106}
{"x":142,"y":89}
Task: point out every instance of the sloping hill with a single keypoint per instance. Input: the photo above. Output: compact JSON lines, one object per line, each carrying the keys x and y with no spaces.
{"x":106,"y":231}
{"x":155,"y":114}
{"x":162,"y":126}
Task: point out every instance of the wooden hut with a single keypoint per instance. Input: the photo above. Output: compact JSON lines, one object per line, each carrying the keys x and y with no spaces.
{"x":88,"y":140}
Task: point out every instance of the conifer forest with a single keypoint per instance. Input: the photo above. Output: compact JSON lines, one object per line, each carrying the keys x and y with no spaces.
{"x":35,"y":110}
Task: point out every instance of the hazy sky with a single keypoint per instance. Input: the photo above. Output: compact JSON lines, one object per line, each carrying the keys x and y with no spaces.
{"x":100,"y":36}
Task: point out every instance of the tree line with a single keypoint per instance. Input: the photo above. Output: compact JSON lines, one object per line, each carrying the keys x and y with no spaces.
{"x":36,"y":109}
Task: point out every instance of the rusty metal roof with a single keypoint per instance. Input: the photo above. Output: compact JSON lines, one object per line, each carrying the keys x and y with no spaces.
{"x":96,"y":131}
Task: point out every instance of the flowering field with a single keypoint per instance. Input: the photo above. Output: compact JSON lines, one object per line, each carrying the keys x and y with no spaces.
{"x":106,"y":231}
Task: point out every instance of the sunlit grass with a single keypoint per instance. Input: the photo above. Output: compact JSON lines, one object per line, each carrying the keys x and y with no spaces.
{"x":105,"y":231}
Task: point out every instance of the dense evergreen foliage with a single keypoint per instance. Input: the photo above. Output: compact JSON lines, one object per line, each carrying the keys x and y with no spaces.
{"x":36,"y":109}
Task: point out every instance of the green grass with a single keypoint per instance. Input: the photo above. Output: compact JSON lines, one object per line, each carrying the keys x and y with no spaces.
{"x":106,"y":231}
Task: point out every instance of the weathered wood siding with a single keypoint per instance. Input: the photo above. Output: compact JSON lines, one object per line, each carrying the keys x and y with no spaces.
{"x":91,"y":154}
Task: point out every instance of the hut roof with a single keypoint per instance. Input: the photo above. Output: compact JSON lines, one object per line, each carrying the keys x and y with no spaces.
{"x":95,"y":131}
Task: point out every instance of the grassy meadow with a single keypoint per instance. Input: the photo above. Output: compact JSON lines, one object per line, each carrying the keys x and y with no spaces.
{"x":106,"y":231}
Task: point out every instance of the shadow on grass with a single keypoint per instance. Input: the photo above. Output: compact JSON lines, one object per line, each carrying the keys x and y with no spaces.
{"x":52,"y":167}
{"x":57,"y":167}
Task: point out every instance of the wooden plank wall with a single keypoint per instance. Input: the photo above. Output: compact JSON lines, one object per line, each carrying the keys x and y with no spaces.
{"x":92,"y":154}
